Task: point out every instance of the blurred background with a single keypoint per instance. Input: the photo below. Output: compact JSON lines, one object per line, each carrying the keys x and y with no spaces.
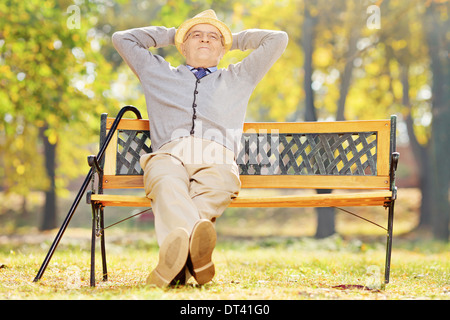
{"x":346,"y":60}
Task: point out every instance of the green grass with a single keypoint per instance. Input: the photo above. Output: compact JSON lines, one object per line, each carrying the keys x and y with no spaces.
{"x":266,"y":268}
{"x":261,"y":254}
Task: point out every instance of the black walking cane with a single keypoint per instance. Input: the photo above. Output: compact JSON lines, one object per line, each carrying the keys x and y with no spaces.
{"x":83,"y":189}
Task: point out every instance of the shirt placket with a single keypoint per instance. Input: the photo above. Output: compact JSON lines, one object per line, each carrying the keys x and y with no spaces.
{"x":194,"y":107}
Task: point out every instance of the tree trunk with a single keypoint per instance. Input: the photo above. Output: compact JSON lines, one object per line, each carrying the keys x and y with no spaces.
{"x":325,"y":219}
{"x":49,"y":213}
{"x":308,"y":48}
{"x":421,"y":154}
{"x":347,"y":74}
{"x":325,"y":216}
{"x":435,"y":30}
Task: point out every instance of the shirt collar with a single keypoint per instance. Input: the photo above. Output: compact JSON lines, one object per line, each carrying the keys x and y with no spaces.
{"x":211,"y":69}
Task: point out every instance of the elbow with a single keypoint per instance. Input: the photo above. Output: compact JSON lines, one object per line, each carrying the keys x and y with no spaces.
{"x":283,"y":39}
{"x":279,"y":41}
{"x":116,"y":38}
{"x":119,"y":37}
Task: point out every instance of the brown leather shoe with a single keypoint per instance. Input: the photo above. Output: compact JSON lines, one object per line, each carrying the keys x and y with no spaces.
{"x":201,"y":246}
{"x":173,"y":255}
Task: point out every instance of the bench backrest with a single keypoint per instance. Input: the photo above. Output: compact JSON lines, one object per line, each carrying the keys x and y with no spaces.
{"x":316,"y":155}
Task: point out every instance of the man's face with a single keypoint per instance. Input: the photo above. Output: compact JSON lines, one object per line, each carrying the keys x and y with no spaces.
{"x":203,"y":46}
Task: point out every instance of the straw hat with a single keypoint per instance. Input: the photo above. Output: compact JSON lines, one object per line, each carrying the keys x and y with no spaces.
{"x":209,"y":17}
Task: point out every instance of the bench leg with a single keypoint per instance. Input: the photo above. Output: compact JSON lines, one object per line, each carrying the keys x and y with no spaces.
{"x":102,"y":245}
{"x":93,"y":236}
{"x":389,"y":243}
{"x":98,"y":224}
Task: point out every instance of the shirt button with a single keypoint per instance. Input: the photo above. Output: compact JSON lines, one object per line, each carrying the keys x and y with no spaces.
{"x":196,"y":92}
{"x":194,"y":117}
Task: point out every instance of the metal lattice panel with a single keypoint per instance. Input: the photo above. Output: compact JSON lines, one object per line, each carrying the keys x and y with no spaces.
{"x":131,"y":145}
{"x":283,"y":154}
{"x":303,"y":154}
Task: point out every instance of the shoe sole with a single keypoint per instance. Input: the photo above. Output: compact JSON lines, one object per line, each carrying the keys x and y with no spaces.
{"x":173,"y":255}
{"x":201,"y":247}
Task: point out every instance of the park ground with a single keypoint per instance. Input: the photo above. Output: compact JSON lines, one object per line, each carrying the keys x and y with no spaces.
{"x":266,"y":254}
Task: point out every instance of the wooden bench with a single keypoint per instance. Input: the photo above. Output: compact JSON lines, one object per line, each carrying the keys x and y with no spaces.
{"x":358,"y":156}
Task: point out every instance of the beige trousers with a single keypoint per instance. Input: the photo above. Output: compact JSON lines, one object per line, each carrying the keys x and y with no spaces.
{"x":189,"y":179}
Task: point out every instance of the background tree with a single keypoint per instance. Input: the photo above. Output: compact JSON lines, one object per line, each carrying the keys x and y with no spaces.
{"x":55,"y":80}
{"x":398,"y":78}
{"x":437,"y":34}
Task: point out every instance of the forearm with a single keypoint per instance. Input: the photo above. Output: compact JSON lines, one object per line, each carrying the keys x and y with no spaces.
{"x":267,"y":46}
{"x":145,"y":38}
{"x":133,"y":44}
{"x":254,"y":38}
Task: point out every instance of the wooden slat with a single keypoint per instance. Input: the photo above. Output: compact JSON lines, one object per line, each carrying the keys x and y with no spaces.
{"x":273,"y":181}
{"x":383,"y":145}
{"x":282,"y":127}
{"x":111,"y":156}
{"x":314,"y":200}
{"x":123,"y":182}
{"x":110,"y":200}
{"x":318,"y":127}
{"x":315,"y":182}
{"x":129,"y":124}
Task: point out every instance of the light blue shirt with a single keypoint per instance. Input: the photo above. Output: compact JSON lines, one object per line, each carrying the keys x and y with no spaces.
{"x":208,"y":70}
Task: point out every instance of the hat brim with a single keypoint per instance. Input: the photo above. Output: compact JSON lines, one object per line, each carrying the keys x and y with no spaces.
{"x":188,"y":24}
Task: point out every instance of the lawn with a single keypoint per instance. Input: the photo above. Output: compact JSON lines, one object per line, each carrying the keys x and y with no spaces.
{"x":269,"y":268}
{"x":262,"y":255}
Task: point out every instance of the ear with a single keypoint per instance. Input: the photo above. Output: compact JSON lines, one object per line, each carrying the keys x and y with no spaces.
{"x":222,"y":53}
{"x":183,"y":49}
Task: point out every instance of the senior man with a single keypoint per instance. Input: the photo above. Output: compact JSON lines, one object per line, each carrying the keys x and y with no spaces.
{"x":196,"y":113}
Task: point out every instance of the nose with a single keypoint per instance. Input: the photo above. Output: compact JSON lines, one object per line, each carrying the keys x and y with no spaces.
{"x":204,"y":37}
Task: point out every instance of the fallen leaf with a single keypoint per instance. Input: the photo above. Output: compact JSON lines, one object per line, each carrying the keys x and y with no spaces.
{"x":352,"y":287}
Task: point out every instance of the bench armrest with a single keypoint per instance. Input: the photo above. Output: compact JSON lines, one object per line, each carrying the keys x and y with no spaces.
{"x":394,"y":162}
{"x":93,"y":163}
